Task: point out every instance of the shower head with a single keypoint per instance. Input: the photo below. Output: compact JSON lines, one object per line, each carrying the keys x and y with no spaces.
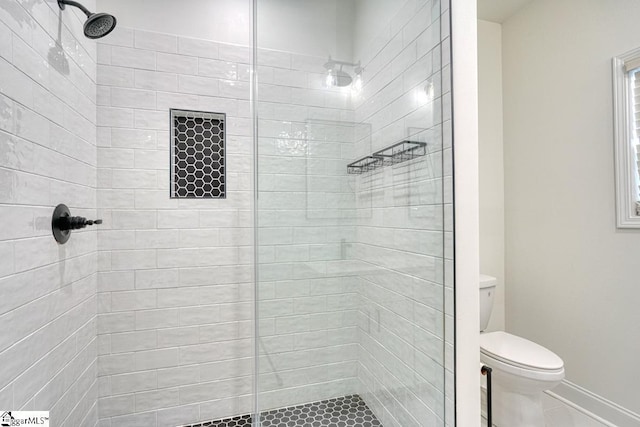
{"x":97,"y":25}
{"x":341,"y":78}
{"x":338,"y":77}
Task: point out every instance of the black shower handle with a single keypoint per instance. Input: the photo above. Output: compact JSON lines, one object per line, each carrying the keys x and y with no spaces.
{"x":76,"y":222}
{"x":62,"y":223}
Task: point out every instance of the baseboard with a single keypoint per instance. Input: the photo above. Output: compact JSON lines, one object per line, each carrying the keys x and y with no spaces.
{"x":595,"y":406}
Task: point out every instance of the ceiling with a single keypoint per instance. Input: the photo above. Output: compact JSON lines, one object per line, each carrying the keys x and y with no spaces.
{"x":499,"y":10}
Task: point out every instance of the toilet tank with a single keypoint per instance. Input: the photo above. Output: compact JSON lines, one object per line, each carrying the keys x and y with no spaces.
{"x":487,"y":294}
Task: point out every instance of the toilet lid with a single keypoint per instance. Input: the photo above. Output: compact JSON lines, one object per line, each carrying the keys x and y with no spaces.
{"x":518,"y":351}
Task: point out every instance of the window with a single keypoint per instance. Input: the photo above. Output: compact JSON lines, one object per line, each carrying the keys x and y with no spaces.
{"x":626,"y":83}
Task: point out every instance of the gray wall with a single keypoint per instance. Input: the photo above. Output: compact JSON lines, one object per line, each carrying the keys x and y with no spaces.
{"x":572,"y":278}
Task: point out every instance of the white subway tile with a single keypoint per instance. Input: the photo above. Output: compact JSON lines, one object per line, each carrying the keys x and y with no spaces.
{"x":157,"y":42}
{"x":217,"y":69}
{"x":134,"y":420}
{"x":155,"y":80}
{"x":173,"y":377}
{"x":115,"y":280}
{"x":104,"y":54}
{"x":177,"y":64}
{"x":156,"y":239}
{"x":133,"y":98}
{"x":198,"y":85}
{"x":134,"y":178}
{"x":120,"y":36}
{"x":146,"y":119}
{"x":129,"y":383}
{"x":234,"y":53}
{"x":178,"y":415}
{"x":173,"y":337}
{"x":7,"y":256}
{"x":133,"y":138}
{"x":132,"y":220}
{"x":115,"y":158}
{"x":199,"y":315}
{"x":152,"y":279}
{"x":136,"y":259}
{"x":178,"y":219}
{"x":233,"y":89}
{"x":116,"y":322}
{"x":115,"y":76}
{"x":196,"y":47}
{"x":116,"y":405}
{"x":5,"y":42}
{"x":133,"y":300}
{"x":133,"y":341}
{"x":153,"y":359}
{"x":134,"y":58}
{"x":154,"y":319}
{"x":115,"y":117}
{"x":167,"y":101}
{"x":149,"y":400}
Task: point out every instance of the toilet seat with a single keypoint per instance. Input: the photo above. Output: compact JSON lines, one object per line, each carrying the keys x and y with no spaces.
{"x":521,"y":357}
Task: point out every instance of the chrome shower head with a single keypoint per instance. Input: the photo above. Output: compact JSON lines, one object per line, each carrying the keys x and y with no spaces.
{"x":338,"y":77}
{"x":97,"y":25}
{"x":341,"y":78}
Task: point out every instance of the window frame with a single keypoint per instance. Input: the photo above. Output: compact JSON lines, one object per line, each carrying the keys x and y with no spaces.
{"x":627,"y":215}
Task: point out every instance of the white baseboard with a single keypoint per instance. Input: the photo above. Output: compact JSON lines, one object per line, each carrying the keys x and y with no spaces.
{"x":595,"y":406}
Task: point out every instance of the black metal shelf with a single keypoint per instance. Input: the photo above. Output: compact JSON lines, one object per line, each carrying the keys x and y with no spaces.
{"x":397,"y":153}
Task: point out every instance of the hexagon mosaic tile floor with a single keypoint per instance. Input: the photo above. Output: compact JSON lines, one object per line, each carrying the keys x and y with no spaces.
{"x":348,"y":411}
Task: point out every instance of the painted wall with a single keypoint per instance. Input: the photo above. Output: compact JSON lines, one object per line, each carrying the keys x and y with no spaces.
{"x":571,"y":276}
{"x":491,"y":163}
{"x":464,"y":45}
{"x":47,"y":156}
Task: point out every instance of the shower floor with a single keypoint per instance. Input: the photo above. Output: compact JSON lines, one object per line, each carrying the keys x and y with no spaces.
{"x":347,"y":411}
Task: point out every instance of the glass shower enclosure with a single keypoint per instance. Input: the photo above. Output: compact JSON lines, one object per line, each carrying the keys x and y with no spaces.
{"x":274,"y":180}
{"x":353,"y":213}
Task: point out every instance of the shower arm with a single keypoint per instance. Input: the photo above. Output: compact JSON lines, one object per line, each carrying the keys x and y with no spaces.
{"x":63,"y":3}
{"x":331,"y":63}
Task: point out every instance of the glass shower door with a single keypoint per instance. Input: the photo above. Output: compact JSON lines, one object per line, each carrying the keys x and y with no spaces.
{"x":354,"y":230}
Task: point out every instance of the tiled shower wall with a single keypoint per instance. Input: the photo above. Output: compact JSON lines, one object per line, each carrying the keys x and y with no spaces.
{"x":47,"y":156}
{"x":175,"y":286}
{"x":175,"y":275}
{"x":175,"y":278}
{"x":402,"y":218}
{"x":175,"y":332}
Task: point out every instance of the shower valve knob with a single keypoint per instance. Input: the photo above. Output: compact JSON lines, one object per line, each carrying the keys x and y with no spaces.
{"x":76,"y":222}
{"x":62,"y":223}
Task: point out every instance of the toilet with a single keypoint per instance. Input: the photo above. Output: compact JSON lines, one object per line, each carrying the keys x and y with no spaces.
{"x":521,"y":370}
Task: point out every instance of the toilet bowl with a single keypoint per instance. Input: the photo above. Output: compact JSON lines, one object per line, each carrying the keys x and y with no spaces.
{"x":521,"y":369}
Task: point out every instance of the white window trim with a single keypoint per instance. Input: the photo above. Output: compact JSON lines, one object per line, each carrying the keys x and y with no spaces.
{"x":626,"y":181}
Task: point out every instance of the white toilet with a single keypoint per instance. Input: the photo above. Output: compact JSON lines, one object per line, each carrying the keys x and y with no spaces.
{"x":521,"y":370}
